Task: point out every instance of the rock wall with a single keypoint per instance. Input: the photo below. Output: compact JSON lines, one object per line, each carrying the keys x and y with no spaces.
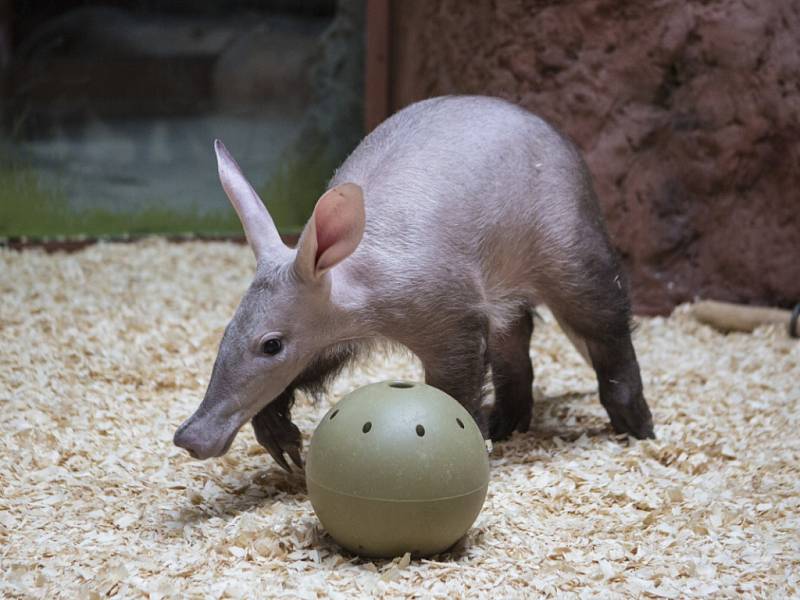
{"x":688,"y":113}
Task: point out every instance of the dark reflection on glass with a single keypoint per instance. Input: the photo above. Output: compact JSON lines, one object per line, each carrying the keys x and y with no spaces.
{"x":109,"y":109}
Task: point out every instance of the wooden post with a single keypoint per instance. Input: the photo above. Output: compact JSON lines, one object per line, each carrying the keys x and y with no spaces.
{"x":735,"y":317}
{"x":376,"y":77}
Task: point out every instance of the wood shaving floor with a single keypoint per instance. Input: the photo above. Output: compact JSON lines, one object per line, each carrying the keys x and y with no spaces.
{"x":104,"y":352}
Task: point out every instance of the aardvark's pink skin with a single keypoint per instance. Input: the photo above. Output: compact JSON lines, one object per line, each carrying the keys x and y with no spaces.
{"x":440,"y":232}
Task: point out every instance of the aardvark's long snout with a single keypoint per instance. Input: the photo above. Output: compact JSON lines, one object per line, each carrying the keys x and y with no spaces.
{"x":203,"y":436}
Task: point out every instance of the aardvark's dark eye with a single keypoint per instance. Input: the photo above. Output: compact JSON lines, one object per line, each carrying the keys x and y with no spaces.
{"x":271,"y":346}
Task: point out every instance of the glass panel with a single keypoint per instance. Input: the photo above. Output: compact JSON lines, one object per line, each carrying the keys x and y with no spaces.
{"x":109,"y":110}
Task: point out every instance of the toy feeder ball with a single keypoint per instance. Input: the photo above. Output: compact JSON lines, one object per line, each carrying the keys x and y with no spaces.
{"x":397,"y":467}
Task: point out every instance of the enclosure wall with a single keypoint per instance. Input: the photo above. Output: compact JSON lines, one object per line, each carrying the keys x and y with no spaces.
{"x":688,"y":114}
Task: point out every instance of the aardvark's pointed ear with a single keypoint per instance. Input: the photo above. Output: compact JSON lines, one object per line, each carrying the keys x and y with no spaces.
{"x":333,"y":232}
{"x":262,"y":235}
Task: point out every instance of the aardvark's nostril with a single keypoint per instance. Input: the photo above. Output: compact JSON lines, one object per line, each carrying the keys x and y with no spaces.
{"x":183,"y":443}
{"x":179,"y":439}
{"x":180,"y":434}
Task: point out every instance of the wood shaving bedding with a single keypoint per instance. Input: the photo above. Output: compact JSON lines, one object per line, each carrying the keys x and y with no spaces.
{"x":106,"y":351}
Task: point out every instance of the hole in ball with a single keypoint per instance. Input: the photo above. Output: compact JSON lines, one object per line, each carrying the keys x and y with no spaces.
{"x":367,"y":426}
{"x":334,"y":413}
{"x":420,"y":430}
{"x":460,"y":424}
{"x":401,"y":385}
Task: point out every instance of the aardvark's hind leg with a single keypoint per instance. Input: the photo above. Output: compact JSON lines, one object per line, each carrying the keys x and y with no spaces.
{"x":591,"y":300}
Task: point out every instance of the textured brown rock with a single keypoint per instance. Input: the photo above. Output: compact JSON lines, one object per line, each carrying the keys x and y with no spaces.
{"x":688,"y":114}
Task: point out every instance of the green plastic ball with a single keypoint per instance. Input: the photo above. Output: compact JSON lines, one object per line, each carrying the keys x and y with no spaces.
{"x":397,"y":467}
